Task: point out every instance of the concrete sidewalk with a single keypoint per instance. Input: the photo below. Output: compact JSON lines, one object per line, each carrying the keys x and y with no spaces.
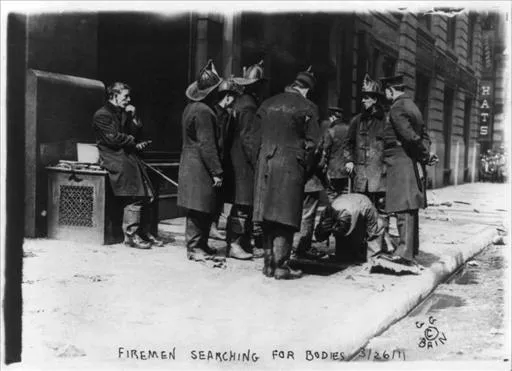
{"x":83,"y":302}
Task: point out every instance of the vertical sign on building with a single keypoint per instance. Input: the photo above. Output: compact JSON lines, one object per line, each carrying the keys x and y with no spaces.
{"x":485,"y":104}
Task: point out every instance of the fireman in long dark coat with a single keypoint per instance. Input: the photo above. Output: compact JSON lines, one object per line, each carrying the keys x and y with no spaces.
{"x":200,"y":173}
{"x":364,"y":148}
{"x":333,"y":154}
{"x":289,"y":129}
{"x":118,"y":132}
{"x":406,"y":152}
{"x":241,"y":168}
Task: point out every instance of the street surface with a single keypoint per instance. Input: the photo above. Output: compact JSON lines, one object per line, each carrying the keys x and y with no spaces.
{"x":86,"y":304}
{"x":463,"y":320}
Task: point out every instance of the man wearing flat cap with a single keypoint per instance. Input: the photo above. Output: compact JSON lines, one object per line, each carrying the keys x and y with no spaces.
{"x":239,"y":167}
{"x":200,"y":172}
{"x":364,"y":148}
{"x":406,"y":152}
{"x":289,"y":131}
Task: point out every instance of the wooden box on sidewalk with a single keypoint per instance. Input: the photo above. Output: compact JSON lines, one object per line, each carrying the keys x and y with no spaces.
{"x":81,"y":206}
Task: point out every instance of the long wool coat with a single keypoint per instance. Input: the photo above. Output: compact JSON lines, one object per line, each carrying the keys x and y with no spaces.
{"x":364,"y":147}
{"x":406,"y":150}
{"x":333,"y":145}
{"x":289,"y":129}
{"x":240,"y":173}
{"x":199,"y":161}
{"x":116,"y":133}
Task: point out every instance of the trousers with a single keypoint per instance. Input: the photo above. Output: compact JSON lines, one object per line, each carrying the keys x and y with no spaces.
{"x":307,"y":225}
{"x":408,"y":230}
{"x":278,"y":238}
{"x":197,"y":230}
{"x":137,"y":216}
{"x":239,"y":225}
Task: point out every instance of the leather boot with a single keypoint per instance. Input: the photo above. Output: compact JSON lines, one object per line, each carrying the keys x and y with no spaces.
{"x":154,"y":241}
{"x":136,"y":241}
{"x":237,"y":252}
{"x":286,"y":273}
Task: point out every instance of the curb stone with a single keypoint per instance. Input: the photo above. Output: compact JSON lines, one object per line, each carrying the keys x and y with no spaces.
{"x":372,"y":322}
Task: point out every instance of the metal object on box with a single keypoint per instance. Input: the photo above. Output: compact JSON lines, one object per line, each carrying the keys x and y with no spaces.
{"x":79,"y":204}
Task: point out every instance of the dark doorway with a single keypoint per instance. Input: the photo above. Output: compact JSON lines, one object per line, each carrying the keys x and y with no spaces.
{"x":447,"y":131}
{"x":150,"y":52}
{"x":467,"y":121}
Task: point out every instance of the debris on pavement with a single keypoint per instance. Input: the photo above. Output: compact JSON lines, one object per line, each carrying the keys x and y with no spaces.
{"x":476,"y":211}
{"x":498,"y":240}
{"x":28,"y":254}
{"x":394,"y":265}
{"x":462,"y":202}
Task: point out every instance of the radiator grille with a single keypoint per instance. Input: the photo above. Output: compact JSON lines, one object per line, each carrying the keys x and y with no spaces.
{"x":76,"y":205}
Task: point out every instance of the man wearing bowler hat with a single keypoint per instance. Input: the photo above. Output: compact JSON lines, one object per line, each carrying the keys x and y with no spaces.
{"x":406,"y":152}
{"x":200,"y":172}
{"x":289,"y":131}
{"x":364,"y":149}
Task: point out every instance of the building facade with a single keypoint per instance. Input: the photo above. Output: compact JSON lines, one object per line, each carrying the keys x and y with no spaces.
{"x":450,"y":61}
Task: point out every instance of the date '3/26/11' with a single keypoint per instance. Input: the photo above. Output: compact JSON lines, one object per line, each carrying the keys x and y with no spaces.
{"x":376,"y":355}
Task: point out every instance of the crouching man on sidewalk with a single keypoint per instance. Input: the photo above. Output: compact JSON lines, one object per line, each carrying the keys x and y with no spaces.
{"x":355,"y":223}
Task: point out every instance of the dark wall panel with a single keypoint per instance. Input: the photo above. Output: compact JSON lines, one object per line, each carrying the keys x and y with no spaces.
{"x":150,"y":52}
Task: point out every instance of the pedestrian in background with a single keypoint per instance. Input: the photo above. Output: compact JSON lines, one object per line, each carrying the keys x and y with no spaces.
{"x":118,"y":132}
{"x":289,"y":130}
{"x":200,"y":172}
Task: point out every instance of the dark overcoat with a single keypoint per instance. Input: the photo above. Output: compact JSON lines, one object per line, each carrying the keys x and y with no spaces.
{"x":240,"y":140}
{"x":199,"y":161}
{"x":289,"y":129}
{"x":364,"y":147}
{"x":333,"y":145}
{"x":406,"y":150}
{"x":116,"y":133}
{"x":316,"y":181}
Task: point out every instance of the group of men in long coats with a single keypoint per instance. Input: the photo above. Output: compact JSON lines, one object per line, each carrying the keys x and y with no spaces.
{"x":270,"y":160}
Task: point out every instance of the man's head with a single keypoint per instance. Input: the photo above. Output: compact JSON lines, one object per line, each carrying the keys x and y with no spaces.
{"x":227,"y":92}
{"x":118,"y":94}
{"x":304,"y":82}
{"x":371,"y":93}
{"x":393,"y":86}
{"x":335,"y":113}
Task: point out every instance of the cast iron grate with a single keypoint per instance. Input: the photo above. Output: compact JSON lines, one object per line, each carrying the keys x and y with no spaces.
{"x":76,"y":205}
